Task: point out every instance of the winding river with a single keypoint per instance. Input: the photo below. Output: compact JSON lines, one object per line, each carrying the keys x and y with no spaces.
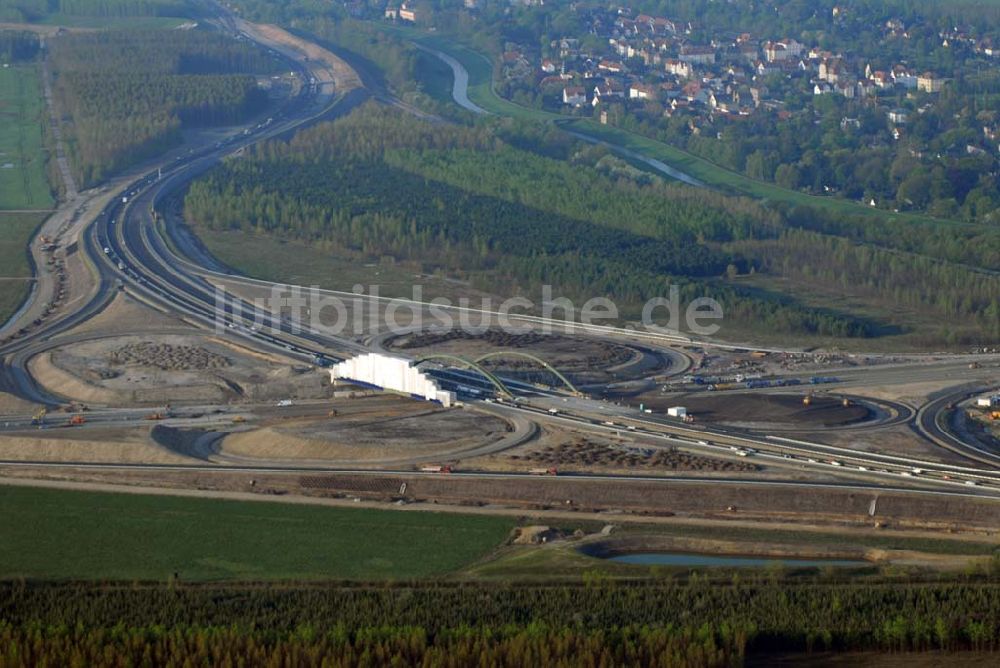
{"x":460,"y":93}
{"x":460,"y":87}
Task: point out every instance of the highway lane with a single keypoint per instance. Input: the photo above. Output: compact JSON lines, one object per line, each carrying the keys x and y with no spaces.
{"x":773,"y":450}
{"x":931,"y":416}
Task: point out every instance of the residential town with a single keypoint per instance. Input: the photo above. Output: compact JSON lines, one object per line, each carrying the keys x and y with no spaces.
{"x":651,"y":59}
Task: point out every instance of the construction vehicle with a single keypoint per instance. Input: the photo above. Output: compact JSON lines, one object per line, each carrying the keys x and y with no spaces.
{"x":155,"y":416}
{"x":332,"y":412}
{"x":995,"y":415}
{"x":38,"y":419}
{"x":239,"y":419}
{"x":846,"y":403}
{"x":544,"y":471}
{"x":77,"y":420}
{"x":807,"y":400}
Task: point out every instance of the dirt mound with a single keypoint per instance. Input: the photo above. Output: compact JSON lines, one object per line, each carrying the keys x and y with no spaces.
{"x":535,"y":534}
{"x":167,"y":357}
{"x":406,"y":430}
{"x":87,"y":445}
{"x":565,"y":353}
{"x":493,"y":337}
{"x":584,"y":452}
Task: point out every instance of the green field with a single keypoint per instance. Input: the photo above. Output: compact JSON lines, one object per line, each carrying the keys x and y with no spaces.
{"x":23,"y":184}
{"x":299,"y":264}
{"x":15,"y":275}
{"x":59,"y":534}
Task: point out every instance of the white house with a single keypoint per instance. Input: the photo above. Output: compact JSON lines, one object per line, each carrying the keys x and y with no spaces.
{"x":641,"y":91}
{"x":575,"y":96}
{"x":678,"y":68}
{"x":702,"y":55}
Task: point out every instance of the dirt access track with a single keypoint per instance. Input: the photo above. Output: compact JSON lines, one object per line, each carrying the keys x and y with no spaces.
{"x":698,"y":500}
{"x":335,"y":72}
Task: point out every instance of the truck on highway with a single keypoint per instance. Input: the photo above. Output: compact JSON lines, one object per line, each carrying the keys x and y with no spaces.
{"x":436,"y":469}
{"x":544,"y":471}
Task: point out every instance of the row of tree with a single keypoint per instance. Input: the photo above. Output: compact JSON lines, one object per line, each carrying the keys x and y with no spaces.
{"x":627,"y":619}
{"x":536,"y":645}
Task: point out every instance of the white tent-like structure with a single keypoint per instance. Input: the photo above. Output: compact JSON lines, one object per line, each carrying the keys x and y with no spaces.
{"x":391,"y":373}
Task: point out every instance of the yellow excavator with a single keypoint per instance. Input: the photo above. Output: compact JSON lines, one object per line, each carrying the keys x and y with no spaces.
{"x":38,"y":419}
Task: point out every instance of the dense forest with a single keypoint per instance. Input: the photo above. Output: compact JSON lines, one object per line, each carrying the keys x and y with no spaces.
{"x":128,"y":94}
{"x":512,"y":206}
{"x":30,"y":11}
{"x":463,"y":201}
{"x":697,"y":623}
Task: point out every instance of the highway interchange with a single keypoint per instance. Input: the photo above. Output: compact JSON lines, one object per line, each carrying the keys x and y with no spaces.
{"x":131,"y":250}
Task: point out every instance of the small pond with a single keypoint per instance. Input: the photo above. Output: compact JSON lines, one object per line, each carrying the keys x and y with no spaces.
{"x":695,"y":559}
